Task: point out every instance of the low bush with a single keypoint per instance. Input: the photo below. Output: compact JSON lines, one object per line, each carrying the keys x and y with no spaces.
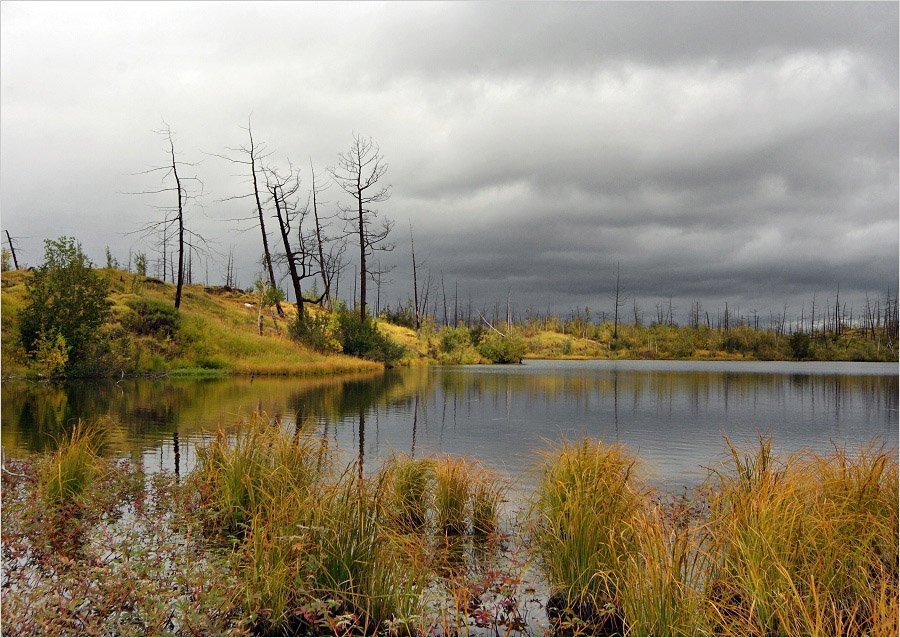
{"x":315,"y":331}
{"x":502,"y":349}
{"x":361,"y":338}
{"x":151,"y":318}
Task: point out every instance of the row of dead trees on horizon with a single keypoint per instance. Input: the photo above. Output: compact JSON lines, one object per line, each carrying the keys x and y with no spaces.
{"x":433,"y":301}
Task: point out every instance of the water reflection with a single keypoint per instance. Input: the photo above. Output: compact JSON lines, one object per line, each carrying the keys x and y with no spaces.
{"x":674,"y":416}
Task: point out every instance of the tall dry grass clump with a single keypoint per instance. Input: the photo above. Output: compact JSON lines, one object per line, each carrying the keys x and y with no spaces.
{"x":313,"y":553}
{"x":408,"y":491}
{"x":75,"y":464}
{"x":583,"y":530}
{"x":240,"y":475}
{"x":804,"y":546}
{"x":663,"y":577}
{"x":450,"y":495}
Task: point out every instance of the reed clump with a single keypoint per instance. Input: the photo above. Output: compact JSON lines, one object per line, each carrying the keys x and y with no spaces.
{"x":312,"y":550}
{"x":804,"y":546}
{"x":583,"y":533}
{"x":408,"y":491}
{"x":662,"y":579}
{"x":241,"y":475}
{"x":449,"y":495}
{"x":75,"y":464}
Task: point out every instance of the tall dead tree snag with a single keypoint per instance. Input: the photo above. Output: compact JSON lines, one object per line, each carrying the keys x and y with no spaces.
{"x":412,"y":249}
{"x":618,"y":302}
{"x":173,"y":215}
{"x":326,"y":265}
{"x":252,"y":157}
{"x":304,"y":254}
{"x":358,"y":173}
{"x":12,"y":249}
{"x":282,"y":191}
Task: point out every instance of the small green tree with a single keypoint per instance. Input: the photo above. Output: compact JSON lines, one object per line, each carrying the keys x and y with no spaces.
{"x":111,"y":262}
{"x":269,"y":296}
{"x":5,"y":256}
{"x":140,"y":264}
{"x":67,"y":300}
{"x":801,"y":346}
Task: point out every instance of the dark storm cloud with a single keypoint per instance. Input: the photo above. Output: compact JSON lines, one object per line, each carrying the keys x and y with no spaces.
{"x":719,"y":151}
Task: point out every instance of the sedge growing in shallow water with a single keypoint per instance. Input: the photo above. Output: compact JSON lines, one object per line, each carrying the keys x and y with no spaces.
{"x":267,"y":535}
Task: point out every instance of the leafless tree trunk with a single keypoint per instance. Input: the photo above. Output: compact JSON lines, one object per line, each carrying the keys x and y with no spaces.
{"x":618,"y":302}
{"x":170,"y":169}
{"x":412,"y":248}
{"x":288,"y":214}
{"x":12,"y":249}
{"x":358,"y":173}
{"x":252,"y":156}
{"x":444,"y":293}
{"x":229,"y":269}
{"x":320,"y":242}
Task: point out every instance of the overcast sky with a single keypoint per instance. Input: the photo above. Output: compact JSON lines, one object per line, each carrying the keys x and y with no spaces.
{"x":721,"y":152}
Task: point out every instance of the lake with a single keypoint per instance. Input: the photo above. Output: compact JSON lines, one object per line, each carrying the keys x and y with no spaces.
{"x":675,"y":415}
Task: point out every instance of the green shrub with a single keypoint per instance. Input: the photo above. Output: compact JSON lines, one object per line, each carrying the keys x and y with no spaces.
{"x":801,"y":345}
{"x":151,"y":317}
{"x":361,"y":338}
{"x":313,"y":331}
{"x":456,"y":347}
{"x":455,"y":338}
{"x":51,"y":355}
{"x":499,"y":349}
{"x":67,"y":297}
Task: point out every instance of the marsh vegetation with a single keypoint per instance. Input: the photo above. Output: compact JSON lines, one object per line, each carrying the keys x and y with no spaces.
{"x":268,"y":535}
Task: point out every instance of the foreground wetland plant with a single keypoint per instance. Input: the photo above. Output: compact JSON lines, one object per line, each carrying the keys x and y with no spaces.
{"x":583,"y":533}
{"x":266,"y":536}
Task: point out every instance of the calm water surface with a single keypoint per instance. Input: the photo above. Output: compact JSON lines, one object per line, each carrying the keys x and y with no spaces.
{"x":675,"y":415}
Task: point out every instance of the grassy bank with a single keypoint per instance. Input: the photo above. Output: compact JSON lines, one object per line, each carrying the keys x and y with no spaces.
{"x":216,"y":333}
{"x":267,"y":536}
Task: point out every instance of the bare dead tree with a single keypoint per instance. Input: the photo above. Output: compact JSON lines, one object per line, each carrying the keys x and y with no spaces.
{"x":173,"y":216}
{"x":412,"y":248}
{"x":326,"y":264}
{"x":456,"y":302}
{"x":253,"y":156}
{"x":618,"y":302}
{"x":229,"y":269}
{"x":358,"y":173}
{"x":300,"y":258}
{"x":12,"y":249}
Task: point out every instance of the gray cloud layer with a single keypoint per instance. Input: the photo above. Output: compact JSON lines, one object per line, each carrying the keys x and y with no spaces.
{"x":739,"y":151}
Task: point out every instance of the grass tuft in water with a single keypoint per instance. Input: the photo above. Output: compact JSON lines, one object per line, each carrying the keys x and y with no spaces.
{"x":408,"y":491}
{"x":76,"y":463}
{"x":453,"y":486}
{"x":238,"y":476}
{"x":805,"y":546}
{"x":583,"y":533}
